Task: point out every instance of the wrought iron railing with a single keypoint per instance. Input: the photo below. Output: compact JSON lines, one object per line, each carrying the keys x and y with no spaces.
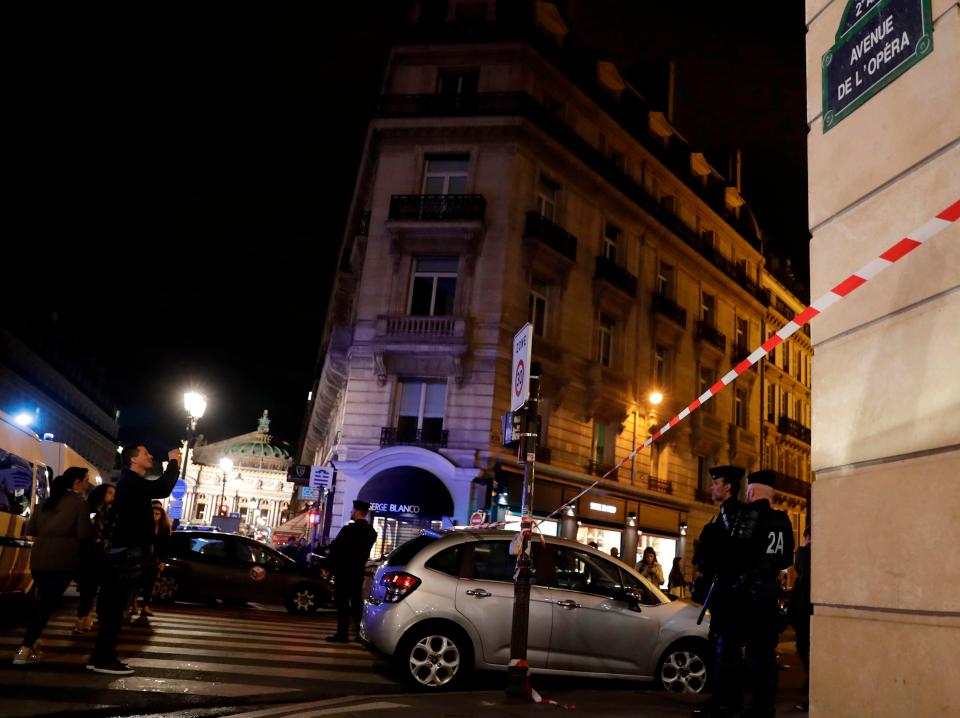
{"x":419,"y":326}
{"x":437,"y":207}
{"x":792,"y":427}
{"x":615,"y":275}
{"x":551,"y":234}
{"x":711,"y":335}
{"x":670,"y":309}
{"x":664,"y":486}
{"x":598,"y":469}
{"x":428,"y":438}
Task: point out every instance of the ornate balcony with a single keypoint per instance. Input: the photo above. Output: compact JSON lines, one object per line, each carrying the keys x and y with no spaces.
{"x":663,"y":486}
{"x":552,"y":235}
{"x":711,"y":335}
{"x":437,"y":207}
{"x":598,"y":469}
{"x":405,"y":327}
{"x":616,"y":276}
{"x":791,"y":485}
{"x":670,"y":309}
{"x":792,"y":427}
{"x":427,"y":438}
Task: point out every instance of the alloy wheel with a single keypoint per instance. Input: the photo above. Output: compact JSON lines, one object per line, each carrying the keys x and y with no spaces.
{"x":165,"y":589}
{"x":434,"y":661}
{"x":304,"y":599}
{"x":683,"y":671}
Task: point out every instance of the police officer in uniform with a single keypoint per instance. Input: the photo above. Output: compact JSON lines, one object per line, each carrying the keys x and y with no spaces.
{"x":348,"y":559}
{"x":761,"y":546}
{"x":714,"y":560}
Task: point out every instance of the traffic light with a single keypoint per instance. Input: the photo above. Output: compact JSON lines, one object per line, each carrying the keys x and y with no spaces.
{"x":313,"y":518}
{"x":224,"y":510}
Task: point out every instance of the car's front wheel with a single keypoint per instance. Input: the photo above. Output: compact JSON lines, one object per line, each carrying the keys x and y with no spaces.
{"x":304,"y":598}
{"x":683,"y":668}
{"x":437,"y":656}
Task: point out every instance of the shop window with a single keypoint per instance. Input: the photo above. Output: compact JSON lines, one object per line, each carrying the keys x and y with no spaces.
{"x":605,"y":539}
{"x":548,"y":194}
{"x":665,"y":548}
{"x":446,"y":174}
{"x":434,"y":286}
{"x":537,"y":309}
{"x":420,"y":411}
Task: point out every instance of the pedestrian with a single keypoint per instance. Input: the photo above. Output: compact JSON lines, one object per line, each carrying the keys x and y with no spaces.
{"x":348,"y":558}
{"x":60,"y":528}
{"x":615,"y":552}
{"x":713,"y":560}
{"x":650,"y":567}
{"x":800,"y":611}
{"x":130,"y":549}
{"x":94,"y":559}
{"x":303,"y":552}
{"x":593,"y":544}
{"x":290,"y":550}
{"x":761,"y":547}
{"x":162,"y":530}
{"x":676,"y":581}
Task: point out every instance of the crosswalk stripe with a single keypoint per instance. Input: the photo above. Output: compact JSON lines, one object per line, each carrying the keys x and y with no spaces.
{"x":378,"y":705}
{"x":187,"y":633}
{"x":95,"y":681}
{"x":304,"y":623}
{"x":279,"y":710}
{"x":331,"y":706}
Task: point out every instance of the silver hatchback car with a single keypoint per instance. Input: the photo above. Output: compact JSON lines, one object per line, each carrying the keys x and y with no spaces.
{"x":442,"y":605}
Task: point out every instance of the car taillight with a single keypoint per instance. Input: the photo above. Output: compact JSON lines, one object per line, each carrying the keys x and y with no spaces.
{"x":398,"y":585}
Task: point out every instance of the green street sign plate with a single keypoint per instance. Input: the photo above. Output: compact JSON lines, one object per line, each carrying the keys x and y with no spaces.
{"x":877,"y":41}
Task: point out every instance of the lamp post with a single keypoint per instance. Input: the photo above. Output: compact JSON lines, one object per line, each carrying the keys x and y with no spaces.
{"x":227,"y":466}
{"x":196,"y":404}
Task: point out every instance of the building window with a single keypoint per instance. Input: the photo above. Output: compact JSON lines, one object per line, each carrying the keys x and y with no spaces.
{"x":772,"y":354}
{"x":771,"y":403}
{"x":605,"y":330}
{"x":768,"y":456}
{"x":798,"y":411}
{"x":742,"y":335}
{"x":547,"y":194}
{"x":611,"y":241}
{"x":421,"y":410}
{"x":785,"y":405}
{"x":554,"y":106}
{"x":446,"y":174}
{"x":434,"y":286}
{"x":604,"y":444}
{"x":740,"y":408}
{"x":786,"y":359}
{"x":666,"y":281}
{"x":458,"y":81}
{"x":661,"y":366}
{"x":708,"y":309}
{"x":538,"y":307}
{"x":703,"y":474}
{"x":199,"y":512}
{"x":706,"y":377}
{"x":616,"y":159}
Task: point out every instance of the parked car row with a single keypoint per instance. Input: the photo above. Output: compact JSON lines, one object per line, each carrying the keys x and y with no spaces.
{"x":441,"y":605}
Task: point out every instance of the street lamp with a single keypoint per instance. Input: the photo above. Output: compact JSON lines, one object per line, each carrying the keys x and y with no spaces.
{"x":24,"y":418}
{"x":655,"y":397}
{"x":227,"y":466}
{"x":196,"y":404}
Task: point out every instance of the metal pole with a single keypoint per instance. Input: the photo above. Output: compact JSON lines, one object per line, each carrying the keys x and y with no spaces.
{"x":516,"y":675}
{"x":191,"y":428}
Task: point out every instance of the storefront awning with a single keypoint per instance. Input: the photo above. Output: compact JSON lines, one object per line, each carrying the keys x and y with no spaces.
{"x":407,"y":490}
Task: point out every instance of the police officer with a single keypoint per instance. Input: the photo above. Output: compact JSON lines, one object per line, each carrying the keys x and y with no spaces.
{"x":714,"y":561}
{"x":348,"y":559}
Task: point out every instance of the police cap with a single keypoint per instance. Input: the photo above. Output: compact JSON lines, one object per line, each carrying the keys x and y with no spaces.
{"x":361,"y":505}
{"x":764,"y":476}
{"x":729,"y":474}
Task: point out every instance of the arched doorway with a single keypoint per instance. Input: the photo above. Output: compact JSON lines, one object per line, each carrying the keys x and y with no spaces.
{"x":404,"y":500}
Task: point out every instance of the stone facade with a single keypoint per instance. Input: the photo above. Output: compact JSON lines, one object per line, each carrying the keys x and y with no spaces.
{"x":886,"y":400}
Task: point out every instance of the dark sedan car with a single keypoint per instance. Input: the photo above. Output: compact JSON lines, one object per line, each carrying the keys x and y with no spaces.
{"x":236,"y":569}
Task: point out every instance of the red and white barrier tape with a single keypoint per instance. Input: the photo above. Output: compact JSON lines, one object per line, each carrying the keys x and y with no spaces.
{"x":894,"y":254}
{"x":532,"y":694}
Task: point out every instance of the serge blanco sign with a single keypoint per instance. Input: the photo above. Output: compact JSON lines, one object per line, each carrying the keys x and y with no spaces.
{"x":877,"y":41}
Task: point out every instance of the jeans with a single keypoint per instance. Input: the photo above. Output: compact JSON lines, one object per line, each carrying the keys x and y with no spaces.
{"x":50,"y":588}
{"x":121,"y":578}
{"x":348,"y":598}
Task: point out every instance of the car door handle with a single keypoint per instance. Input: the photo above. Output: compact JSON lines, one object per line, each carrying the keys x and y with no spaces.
{"x":568,"y":604}
{"x":478,"y":592}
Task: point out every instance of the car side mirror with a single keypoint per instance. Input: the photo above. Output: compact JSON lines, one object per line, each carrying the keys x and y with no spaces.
{"x":632,"y":599}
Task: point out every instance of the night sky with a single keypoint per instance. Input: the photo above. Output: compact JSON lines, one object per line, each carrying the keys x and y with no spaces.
{"x":182,"y":176}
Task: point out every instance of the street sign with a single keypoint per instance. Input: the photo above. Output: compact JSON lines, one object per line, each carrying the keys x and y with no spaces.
{"x":179,"y":489}
{"x":299,"y":474}
{"x":510,"y":427}
{"x":321,"y":477}
{"x":520,"y":373}
{"x":175,"y":509}
{"x":234,"y":514}
{"x":476,"y":518}
{"x":876,"y":42}
{"x":308,"y":493}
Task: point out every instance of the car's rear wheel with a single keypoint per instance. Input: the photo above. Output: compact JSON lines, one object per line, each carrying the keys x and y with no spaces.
{"x":166,"y":588}
{"x":436,"y":656}
{"x":304,"y":598}
{"x":684,"y":668}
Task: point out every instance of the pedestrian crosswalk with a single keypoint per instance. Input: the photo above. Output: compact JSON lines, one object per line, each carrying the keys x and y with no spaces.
{"x":192,"y":656}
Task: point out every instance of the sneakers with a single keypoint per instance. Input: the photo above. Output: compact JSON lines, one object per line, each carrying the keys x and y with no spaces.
{"x":114,"y":668}
{"x":25,"y":655}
